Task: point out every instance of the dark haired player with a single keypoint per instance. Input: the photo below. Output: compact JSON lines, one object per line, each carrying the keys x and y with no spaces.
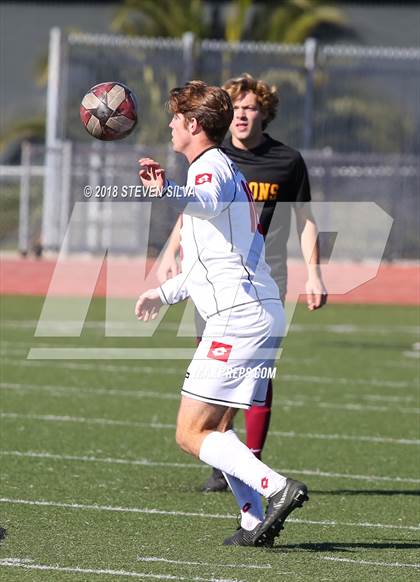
{"x":225,"y":274}
{"x":276,"y":173}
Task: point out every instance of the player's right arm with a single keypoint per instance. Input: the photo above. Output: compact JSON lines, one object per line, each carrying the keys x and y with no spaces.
{"x":169,"y":266}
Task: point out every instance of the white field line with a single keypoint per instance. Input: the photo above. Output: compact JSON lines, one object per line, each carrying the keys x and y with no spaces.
{"x":81,"y":419}
{"x":184,"y":563}
{"x":63,"y":390}
{"x":345,"y":437}
{"x":304,"y":402}
{"x":18,"y":344}
{"x":346,"y":328}
{"x":28,"y":565}
{"x":169,"y":371}
{"x":161,"y":426}
{"x":11,"y":348}
{"x":380,"y":398}
{"x":134,"y":393}
{"x":354,"y":407}
{"x":20,"y":354}
{"x":406,"y":365}
{"x":19,"y":357}
{"x":107,"y":460}
{"x":148,"y":511}
{"x":150,"y":370}
{"x":348,"y":381}
{"x":22,"y":361}
{"x":269,"y":567}
{"x":149,"y":463}
{"x":371,"y":563}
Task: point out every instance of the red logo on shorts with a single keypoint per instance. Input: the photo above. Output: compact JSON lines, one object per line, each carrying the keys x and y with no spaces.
{"x":246,"y":507}
{"x":203,"y":178}
{"x":219,"y":351}
{"x":264,"y":482}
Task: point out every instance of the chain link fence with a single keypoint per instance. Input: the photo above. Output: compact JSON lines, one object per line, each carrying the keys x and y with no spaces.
{"x":353,"y":111}
{"x":391,"y":181}
{"x":347,"y":98}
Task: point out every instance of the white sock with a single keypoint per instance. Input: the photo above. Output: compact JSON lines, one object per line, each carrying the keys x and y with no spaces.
{"x":249,"y":502}
{"x":226,"y":452}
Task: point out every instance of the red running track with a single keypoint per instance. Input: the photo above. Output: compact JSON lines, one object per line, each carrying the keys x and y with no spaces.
{"x":397,"y":284}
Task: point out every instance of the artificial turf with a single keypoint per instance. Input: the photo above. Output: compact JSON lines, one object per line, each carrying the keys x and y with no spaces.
{"x":94,"y":487}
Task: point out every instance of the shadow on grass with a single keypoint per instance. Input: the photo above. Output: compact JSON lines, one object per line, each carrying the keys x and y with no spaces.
{"x":346,"y":546}
{"x":390,"y":492}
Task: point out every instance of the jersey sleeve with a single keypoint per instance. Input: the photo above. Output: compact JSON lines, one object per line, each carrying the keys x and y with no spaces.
{"x":301,"y":181}
{"x":174,"y":290}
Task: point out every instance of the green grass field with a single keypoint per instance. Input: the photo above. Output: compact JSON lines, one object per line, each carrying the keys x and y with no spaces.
{"x":94,"y":488}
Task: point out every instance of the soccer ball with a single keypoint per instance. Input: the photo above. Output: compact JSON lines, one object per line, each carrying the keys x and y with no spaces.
{"x":109,"y":111}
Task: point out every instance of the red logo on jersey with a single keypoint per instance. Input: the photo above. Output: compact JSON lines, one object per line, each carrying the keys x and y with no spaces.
{"x":264,"y":482}
{"x":219,"y":351}
{"x":246,"y":507}
{"x":203,"y":178}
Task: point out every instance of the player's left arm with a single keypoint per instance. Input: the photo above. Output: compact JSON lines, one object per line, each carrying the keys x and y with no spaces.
{"x":316,"y":293}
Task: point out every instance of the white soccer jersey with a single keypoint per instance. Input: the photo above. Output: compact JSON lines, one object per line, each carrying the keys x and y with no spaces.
{"x":223,"y":261}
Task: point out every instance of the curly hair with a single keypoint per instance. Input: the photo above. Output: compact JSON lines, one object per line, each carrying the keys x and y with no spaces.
{"x":267,"y":97}
{"x":210,"y":106}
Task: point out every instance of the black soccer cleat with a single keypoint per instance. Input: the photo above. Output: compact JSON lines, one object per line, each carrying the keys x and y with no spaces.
{"x":280,"y":506}
{"x":216,"y":482}
{"x":243,"y":537}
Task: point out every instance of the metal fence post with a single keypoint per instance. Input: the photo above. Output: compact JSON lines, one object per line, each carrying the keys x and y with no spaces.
{"x":24,"y":198}
{"x":54,"y":128}
{"x":188,"y":55}
{"x":65,"y":191}
{"x":93,"y":209}
{"x":311,"y":51}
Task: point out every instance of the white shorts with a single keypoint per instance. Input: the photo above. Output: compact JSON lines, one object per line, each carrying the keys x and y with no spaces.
{"x":236,"y":356}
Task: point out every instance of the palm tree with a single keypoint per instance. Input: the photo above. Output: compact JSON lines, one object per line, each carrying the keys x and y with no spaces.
{"x":291,"y":22}
{"x":296,"y":20}
{"x":32,"y":128}
{"x":166,"y":18}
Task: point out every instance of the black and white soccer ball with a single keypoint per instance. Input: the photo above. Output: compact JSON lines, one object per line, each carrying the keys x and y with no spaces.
{"x":109,"y":111}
